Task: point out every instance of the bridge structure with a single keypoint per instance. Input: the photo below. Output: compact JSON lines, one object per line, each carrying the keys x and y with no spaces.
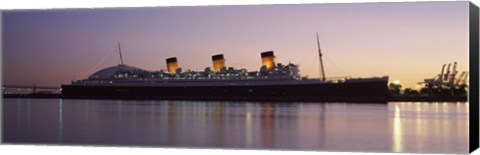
{"x":25,"y":89}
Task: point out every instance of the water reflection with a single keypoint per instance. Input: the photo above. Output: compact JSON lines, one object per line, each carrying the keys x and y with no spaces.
{"x":443,"y":126}
{"x":397,"y":127}
{"x":28,"y":116}
{"x":267,"y":124}
{"x":397,"y":131}
{"x":248,"y":128}
{"x":60,"y":120}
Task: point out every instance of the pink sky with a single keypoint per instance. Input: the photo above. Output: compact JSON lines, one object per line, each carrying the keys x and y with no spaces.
{"x":406,"y":41}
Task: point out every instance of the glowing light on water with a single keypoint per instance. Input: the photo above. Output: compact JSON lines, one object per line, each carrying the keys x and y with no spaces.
{"x":397,"y":131}
{"x":248,"y":128}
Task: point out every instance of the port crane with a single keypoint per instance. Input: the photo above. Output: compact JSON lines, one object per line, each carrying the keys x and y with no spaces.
{"x":460,"y":78}
{"x":448,"y":77}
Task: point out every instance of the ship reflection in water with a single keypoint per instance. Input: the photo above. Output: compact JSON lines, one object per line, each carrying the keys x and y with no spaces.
{"x":397,"y":127}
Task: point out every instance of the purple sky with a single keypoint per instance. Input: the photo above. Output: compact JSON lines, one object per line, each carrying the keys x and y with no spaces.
{"x":407,"y":41}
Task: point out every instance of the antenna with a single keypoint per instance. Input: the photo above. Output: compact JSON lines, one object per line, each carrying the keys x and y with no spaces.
{"x":322,"y":70}
{"x":120,"y":52}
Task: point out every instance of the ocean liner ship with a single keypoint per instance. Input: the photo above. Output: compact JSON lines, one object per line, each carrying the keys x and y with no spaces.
{"x":273,"y":81}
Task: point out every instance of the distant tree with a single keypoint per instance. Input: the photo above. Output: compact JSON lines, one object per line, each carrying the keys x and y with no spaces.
{"x":410,"y":92}
{"x":430,"y":90}
{"x":395,"y":89}
{"x":439,"y":90}
{"x":460,"y":90}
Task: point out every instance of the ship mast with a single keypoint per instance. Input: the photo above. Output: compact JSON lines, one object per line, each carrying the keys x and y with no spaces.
{"x":321,"y":61}
{"x":120,"y":52}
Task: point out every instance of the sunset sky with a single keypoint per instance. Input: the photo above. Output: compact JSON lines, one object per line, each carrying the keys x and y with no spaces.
{"x":406,"y":41}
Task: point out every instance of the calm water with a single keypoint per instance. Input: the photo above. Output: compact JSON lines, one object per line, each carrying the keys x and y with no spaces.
{"x":392,"y":127}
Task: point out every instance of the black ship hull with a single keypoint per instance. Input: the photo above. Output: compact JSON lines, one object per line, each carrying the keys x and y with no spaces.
{"x":367,"y":91}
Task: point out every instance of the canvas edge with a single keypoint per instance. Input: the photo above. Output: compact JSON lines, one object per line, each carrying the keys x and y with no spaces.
{"x":474,"y":70}
{"x":1,"y":77}
{"x":473,"y":65}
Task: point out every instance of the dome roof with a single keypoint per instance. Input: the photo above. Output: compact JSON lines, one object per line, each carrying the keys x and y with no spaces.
{"x":112,"y":71}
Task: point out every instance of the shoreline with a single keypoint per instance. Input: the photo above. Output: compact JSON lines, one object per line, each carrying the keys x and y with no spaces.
{"x":389,"y":99}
